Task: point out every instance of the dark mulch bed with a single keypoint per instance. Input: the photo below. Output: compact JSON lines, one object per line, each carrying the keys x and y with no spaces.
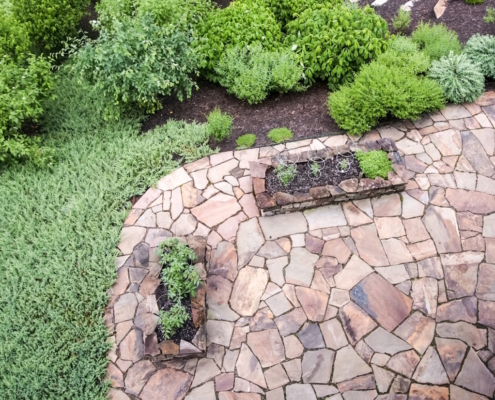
{"x":330,"y":175}
{"x":188,"y":331}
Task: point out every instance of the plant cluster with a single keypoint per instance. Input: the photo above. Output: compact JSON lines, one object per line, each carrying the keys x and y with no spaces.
{"x":460,"y":79}
{"x":374,"y":163}
{"x":334,"y":42}
{"x":315,"y":169}
{"x":388,"y":86}
{"x":402,"y":20}
{"x":286,"y":173}
{"x":250,"y":73}
{"x":280,"y":135}
{"x":246,"y":141}
{"x":288,"y":10}
{"x":219,"y":125}
{"x":436,"y":40}
{"x":480,"y":49}
{"x":490,"y":15}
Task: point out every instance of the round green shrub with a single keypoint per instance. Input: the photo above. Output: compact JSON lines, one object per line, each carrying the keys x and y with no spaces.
{"x":335,"y":42}
{"x":219,"y":125}
{"x":374,"y":163}
{"x":288,"y":10}
{"x":246,"y":141}
{"x":480,"y":49}
{"x":436,"y":40}
{"x":404,"y":53}
{"x":241,"y":24}
{"x":280,"y":135}
{"x":460,"y":79}
{"x":14,"y":37}
{"x":402,"y":20}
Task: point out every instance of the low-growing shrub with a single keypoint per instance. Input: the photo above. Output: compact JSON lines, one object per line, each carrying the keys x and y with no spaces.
{"x":185,"y":13}
{"x":109,"y":10}
{"x":436,"y":40}
{"x":286,"y":173}
{"x":219,"y":125}
{"x":135,"y":61}
{"x":490,"y":15}
{"x":460,"y":79}
{"x":404,"y":53}
{"x":241,"y":24}
{"x":172,"y":320}
{"x":246,"y":141}
{"x":288,"y":10}
{"x":251,"y":73}
{"x":480,"y":49}
{"x":280,"y":135}
{"x":14,"y":37}
{"x":335,"y":42}
{"x":374,"y":163}
{"x":402,"y":20}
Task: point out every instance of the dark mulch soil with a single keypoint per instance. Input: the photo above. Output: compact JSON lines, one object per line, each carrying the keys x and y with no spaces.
{"x":188,"y":331}
{"x":91,"y":15}
{"x":330,"y":175}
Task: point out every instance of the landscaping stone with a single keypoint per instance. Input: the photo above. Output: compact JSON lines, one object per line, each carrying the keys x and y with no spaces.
{"x":369,"y":246}
{"x":404,"y":363}
{"x":418,"y":331}
{"x":249,"y":368}
{"x":356,"y":323}
{"x":475,"y":376}
{"x":382,"y":341}
{"x":317,"y":366}
{"x":248,"y":289}
{"x":348,"y":365}
{"x":249,"y":241}
{"x":451,"y":352}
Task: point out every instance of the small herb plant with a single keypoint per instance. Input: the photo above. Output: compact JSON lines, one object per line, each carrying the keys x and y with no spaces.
{"x":245,"y":141}
{"x":343,"y":165}
{"x":219,"y":125}
{"x":490,"y":15}
{"x":279,"y":135}
{"x":286,"y":173}
{"x":173,"y":319}
{"x":315,"y":169}
{"x":374,"y":163}
{"x":402,"y":20}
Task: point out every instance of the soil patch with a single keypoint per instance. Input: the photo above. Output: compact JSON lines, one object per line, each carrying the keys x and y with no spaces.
{"x":188,"y":331}
{"x":304,"y":180}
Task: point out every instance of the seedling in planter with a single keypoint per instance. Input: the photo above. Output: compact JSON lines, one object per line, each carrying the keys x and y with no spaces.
{"x":343,"y":165}
{"x":172,"y":320}
{"x":315,"y":169}
{"x":286,"y":173}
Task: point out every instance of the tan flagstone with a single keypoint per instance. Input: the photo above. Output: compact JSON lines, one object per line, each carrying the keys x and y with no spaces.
{"x":325,"y":217}
{"x":442,"y":226}
{"x":382,"y":341}
{"x":348,"y":365}
{"x":369,"y":246}
{"x":397,"y":252}
{"x":333,"y":334}
{"x":430,"y":369}
{"x":293,"y":369}
{"x":338,"y":249}
{"x":354,"y":215}
{"x":249,"y":368}
{"x":418,"y":331}
{"x":317,"y":366}
{"x":355,"y":270}
{"x":404,"y":363}
{"x":427,"y":392}
{"x":248,"y":289}
{"x":216,"y":209}
{"x":468,"y":333}
{"x":475,"y":376}
{"x":167,"y":384}
{"x":461,"y":273}
{"x":301,"y":267}
{"x":281,"y":225}
{"x":356,"y":322}
{"x":464,"y":309}
{"x":314,"y":303}
{"x":451,"y":352}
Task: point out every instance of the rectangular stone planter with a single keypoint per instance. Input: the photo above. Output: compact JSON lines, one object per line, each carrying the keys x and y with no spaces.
{"x":351,"y":189}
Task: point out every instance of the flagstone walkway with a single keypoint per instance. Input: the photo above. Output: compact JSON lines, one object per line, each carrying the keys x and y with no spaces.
{"x":388,"y":298}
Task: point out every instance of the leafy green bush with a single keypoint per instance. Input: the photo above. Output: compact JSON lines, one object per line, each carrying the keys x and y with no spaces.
{"x":286,"y":173}
{"x":460,"y":79}
{"x":251,"y":73}
{"x":241,"y":24}
{"x":219,"y":125}
{"x":14,"y":37}
{"x":23,"y":87}
{"x":385,"y":88}
{"x":184,"y":13}
{"x":280,"y":135}
{"x":436,"y":40}
{"x":480,"y":49}
{"x":135,"y":61}
{"x":402,"y":20}
{"x":246,"y":141}
{"x":109,"y":10}
{"x":474,"y":1}
{"x":374,"y":163}
{"x":404,"y":53}
{"x":173,"y":319}
{"x":490,"y":15}
{"x":335,"y":42}
{"x":49,"y":22}
{"x":288,"y":10}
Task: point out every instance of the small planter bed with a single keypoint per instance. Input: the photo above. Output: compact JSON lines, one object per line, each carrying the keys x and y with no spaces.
{"x":298,"y":181}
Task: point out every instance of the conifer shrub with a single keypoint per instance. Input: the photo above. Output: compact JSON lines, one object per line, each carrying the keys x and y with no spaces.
{"x":480,"y":49}
{"x":436,"y":40}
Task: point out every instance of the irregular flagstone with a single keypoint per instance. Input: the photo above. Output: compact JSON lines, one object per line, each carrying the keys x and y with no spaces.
{"x":132,"y":346}
{"x":325,"y":390}
{"x":310,"y":336}
{"x":360,"y":395}
{"x":382,"y":301}
{"x":279,"y":304}
{"x":137,"y":376}
{"x":248,"y":289}
{"x":205,"y":392}
{"x":387,"y":206}
{"x":299,"y":391}
{"x":422,"y":250}
{"x":364,"y":351}
{"x":325,"y":217}
{"x":283,"y":225}
{"x":461,"y":273}
{"x":219,"y":332}
{"x":314,"y":303}
{"x":465,"y":309}
{"x":383,"y":378}
{"x":191,"y":197}
{"x":363,"y":382}
{"x":223,"y":261}
{"x":218,"y":292}
{"x":389,"y":227}
{"x":487,"y":313}
{"x":167,"y":384}
{"x":267,"y":345}
{"x":271,"y":250}
{"x":293,"y":347}
{"x":448,"y":142}
{"x":404,"y":363}
{"x":426,"y":392}
{"x":424,"y":294}
{"x":216,"y":209}
{"x":475,"y":376}
{"x":382,"y":341}
{"x":473,"y":150}
{"x":442,"y":225}
{"x":262,"y":320}
{"x":249,"y":368}
{"x":206,"y":370}
{"x":355,"y":216}
{"x":418,"y":331}
{"x":130,"y":237}
{"x":468,"y":333}
{"x":238,"y":396}
{"x":276,"y":377}
{"x":314,"y":245}
{"x":338,"y":249}
{"x":317,"y":366}
{"x":430,"y":267}
{"x":355,"y":270}
{"x":276,"y":269}
{"x":348,"y":365}
{"x":229,"y":228}
{"x":430,"y":369}
{"x":333,"y":334}
{"x":451,"y":352}
{"x":249,"y":240}
{"x":301,"y":268}
{"x":459,"y":393}
{"x":475,"y":202}
{"x":369,"y":246}
{"x":394,"y":274}
{"x":397,"y":251}
{"x":399,"y":385}
{"x":294,"y":369}
{"x":291,"y":322}
{"x":356,"y":322}
{"x":489,"y":226}
{"x":411,"y":207}
{"x":485,"y":290}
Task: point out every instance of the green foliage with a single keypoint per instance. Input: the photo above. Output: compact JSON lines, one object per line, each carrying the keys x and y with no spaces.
{"x":343,"y":165}
{"x":251,"y":73}
{"x":490,"y":15}
{"x":315,"y":169}
{"x":288,"y":10}
{"x":178,"y":273}
{"x":460,"y":79}
{"x":14,"y":37}
{"x":383,"y":88}
{"x":246,"y":141}
{"x":280,"y":135}
{"x":135,"y":61}
{"x":404,"y":53}
{"x":49,"y":22}
{"x":109,"y":10}
{"x":172,"y":320}
{"x":23,"y":87}
{"x":219,"y":125}
{"x":402,"y":20}
{"x":474,"y":1}
{"x":185,"y":13}
{"x":480,"y":49}
{"x":335,"y":42}
{"x":374,"y":163}
{"x":241,"y":24}
{"x":60,"y":229}
{"x":436,"y":40}
{"x":286,"y":173}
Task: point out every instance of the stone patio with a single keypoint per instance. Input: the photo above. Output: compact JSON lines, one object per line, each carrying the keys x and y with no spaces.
{"x":388,"y":298}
